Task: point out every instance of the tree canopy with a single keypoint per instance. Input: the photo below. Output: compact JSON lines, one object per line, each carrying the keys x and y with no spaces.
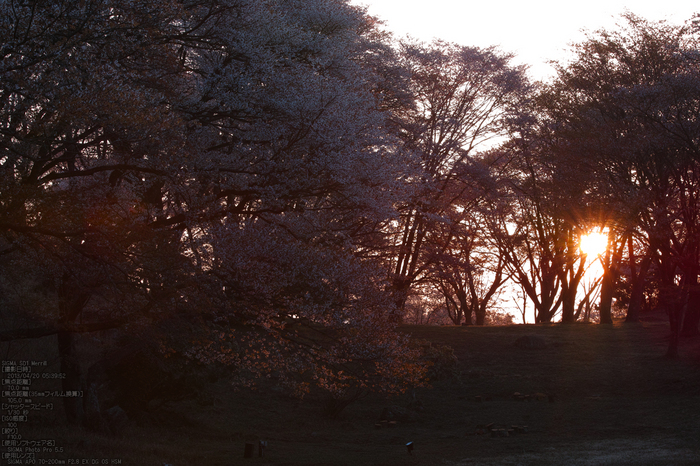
{"x":274,"y":185}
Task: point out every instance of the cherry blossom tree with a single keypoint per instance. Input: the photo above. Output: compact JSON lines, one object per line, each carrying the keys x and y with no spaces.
{"x":525,"y":228}
{"x":226,"y":159}
{"x":625,"y":110}
{"x":463,"y":97}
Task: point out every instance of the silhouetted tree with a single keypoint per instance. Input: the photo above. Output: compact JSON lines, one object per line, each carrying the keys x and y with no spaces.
{"x":463,"y":97}
{"x":625,"y":109}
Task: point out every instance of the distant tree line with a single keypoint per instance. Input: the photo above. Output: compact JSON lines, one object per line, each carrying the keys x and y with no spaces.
{"x":274,"y":185}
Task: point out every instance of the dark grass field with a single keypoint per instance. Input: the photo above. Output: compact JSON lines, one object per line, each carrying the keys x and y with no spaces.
{"x":607,"y":396}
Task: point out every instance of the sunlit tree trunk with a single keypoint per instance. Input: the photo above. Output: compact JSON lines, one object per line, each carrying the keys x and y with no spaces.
{"x":570,"y":277}
{"x":611,"y":273}
{"x":481,"y":314}
{"x":606,"y":295}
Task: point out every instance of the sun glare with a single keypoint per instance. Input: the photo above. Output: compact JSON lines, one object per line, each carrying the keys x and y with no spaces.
{"x":594,"y":244}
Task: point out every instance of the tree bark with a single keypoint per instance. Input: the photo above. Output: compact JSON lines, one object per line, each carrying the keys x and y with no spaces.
{"x":638,"y":279}
{"x":674,"y":320}
{"x":466,"y":309}
{"x":400,"y":295}
{"x":606,"y":296}
{"x":672,"y":299}
{"x":70,"y":366}
{"x":72,"y":299}
{"x":480,"y":312}
{"x":634,"y":309}
{"x":692,"y":315}
{"x":568,"y":310}
{"x":613,"y":255}
{"x":571,"y":278}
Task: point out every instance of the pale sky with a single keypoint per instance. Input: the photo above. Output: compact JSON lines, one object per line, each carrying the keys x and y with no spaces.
{"x":536,"y":31}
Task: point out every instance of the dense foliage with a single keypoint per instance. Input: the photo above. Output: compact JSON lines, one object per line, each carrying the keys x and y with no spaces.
{"x":230,"y":160}
{"x":273,"y":185}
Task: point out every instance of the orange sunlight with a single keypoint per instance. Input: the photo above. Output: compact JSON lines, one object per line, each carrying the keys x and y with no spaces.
{"x":594,"y":244}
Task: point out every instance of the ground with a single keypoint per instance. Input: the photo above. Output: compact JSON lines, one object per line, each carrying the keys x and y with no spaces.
{"x":594,"y":395}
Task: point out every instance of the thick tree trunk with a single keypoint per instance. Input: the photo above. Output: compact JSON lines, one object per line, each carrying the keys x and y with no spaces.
{"x":543,"y":316}
{"x":464,"y":309}
{"x":638,"y":278}
{"x":468,"y":315}
{"x":634,"y":308}
{"x":400,"y":295}
{"x":480,"y":312}
{"x":692,"y":315}
{"x":691,"y":306}
{"x":585,"y":308}
{"x":570,"y":278}
{"x":675,"y":301}
{"x":606,"y":296}
{"x":407,"y":262}
{"x":70,"y":366}
{"x":568,"y":311}
{"x":674,"y":315}
{"x":71,"y":301}
{"x":611,"y":274}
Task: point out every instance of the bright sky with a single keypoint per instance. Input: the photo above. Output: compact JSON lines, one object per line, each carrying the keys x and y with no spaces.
{"x":536,"y":31}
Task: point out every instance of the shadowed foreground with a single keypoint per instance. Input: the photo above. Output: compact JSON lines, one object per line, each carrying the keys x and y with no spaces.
{"x":592,"y":395}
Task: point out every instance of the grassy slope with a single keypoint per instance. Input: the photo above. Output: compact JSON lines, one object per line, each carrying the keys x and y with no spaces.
{"x":617,"y":401}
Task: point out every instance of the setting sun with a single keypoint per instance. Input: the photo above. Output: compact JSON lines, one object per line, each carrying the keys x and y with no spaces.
{"x":594,"y":244}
